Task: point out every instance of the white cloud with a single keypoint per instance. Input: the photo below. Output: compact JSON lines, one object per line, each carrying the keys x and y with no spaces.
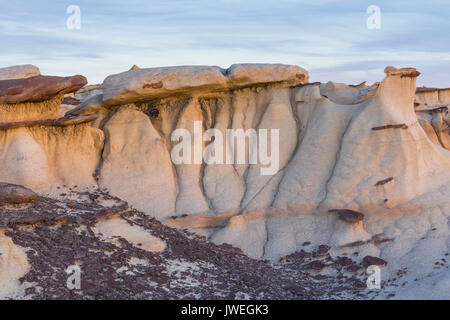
{"x":327,"y":37}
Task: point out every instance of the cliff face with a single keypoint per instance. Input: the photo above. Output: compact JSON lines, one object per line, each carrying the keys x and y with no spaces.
{"x":341,"y":147}
{"x":360,"y":168}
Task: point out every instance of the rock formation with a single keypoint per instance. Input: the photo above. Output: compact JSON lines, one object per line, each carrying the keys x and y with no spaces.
{"x":13,"y":265}
{"x":432,"y":109}
{"x":125,"y":254}
{"x":88,"y":91}
{"x":19,"y":72}
{"x":38,"y":88}
{"x":360,"y":167}
{"x":326,"y":122}
{"x":40,"y":149}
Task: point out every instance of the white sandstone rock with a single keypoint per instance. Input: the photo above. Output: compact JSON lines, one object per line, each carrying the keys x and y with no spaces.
{"x":114,"y":227}
{"x":23,"y":160}
{"x":146,"y":84}
{"x":42,"y":157}
{"x":341,"y":93}
{"x":136,"y":164}
{"x":88,"y":91}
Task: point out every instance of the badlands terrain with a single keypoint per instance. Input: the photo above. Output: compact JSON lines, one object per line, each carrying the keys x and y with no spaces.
{"x":87,"y":178}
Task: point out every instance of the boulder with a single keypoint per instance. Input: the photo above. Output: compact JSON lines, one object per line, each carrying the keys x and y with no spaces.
{"x":347,"y":215}
{"x":429,"y":130}
{"x":38,"y":88}
{"x":92,"y":105}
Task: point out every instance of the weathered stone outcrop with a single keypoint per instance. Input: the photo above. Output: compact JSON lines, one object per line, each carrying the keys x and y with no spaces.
{"x":136,"y":162}
{"x":29,"y":111}
{"x":42,"y":157}
{"x":432,"y":108}
{"x":91,"y":105}
{"x":341,"y":93}
{"x":368,"y":154}
{"x":124,"y":254}
{"x":38,"y":88}
{"x":40,"y":149}
{"x":88,"y":91}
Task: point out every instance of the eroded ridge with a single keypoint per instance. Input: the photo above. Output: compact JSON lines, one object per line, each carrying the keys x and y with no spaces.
{"x":380,"y":150}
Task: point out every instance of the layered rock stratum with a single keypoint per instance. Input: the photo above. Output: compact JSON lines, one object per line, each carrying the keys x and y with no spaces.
{"x":363,"y":176}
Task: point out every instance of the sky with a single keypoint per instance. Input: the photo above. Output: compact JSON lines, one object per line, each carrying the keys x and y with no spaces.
{"x":330,"y":39}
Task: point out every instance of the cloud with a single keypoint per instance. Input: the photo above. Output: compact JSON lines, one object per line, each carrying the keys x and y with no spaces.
{"x":328,"y":38}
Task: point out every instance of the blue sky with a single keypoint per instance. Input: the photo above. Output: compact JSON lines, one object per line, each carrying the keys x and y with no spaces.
{"x":328,"y":38}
